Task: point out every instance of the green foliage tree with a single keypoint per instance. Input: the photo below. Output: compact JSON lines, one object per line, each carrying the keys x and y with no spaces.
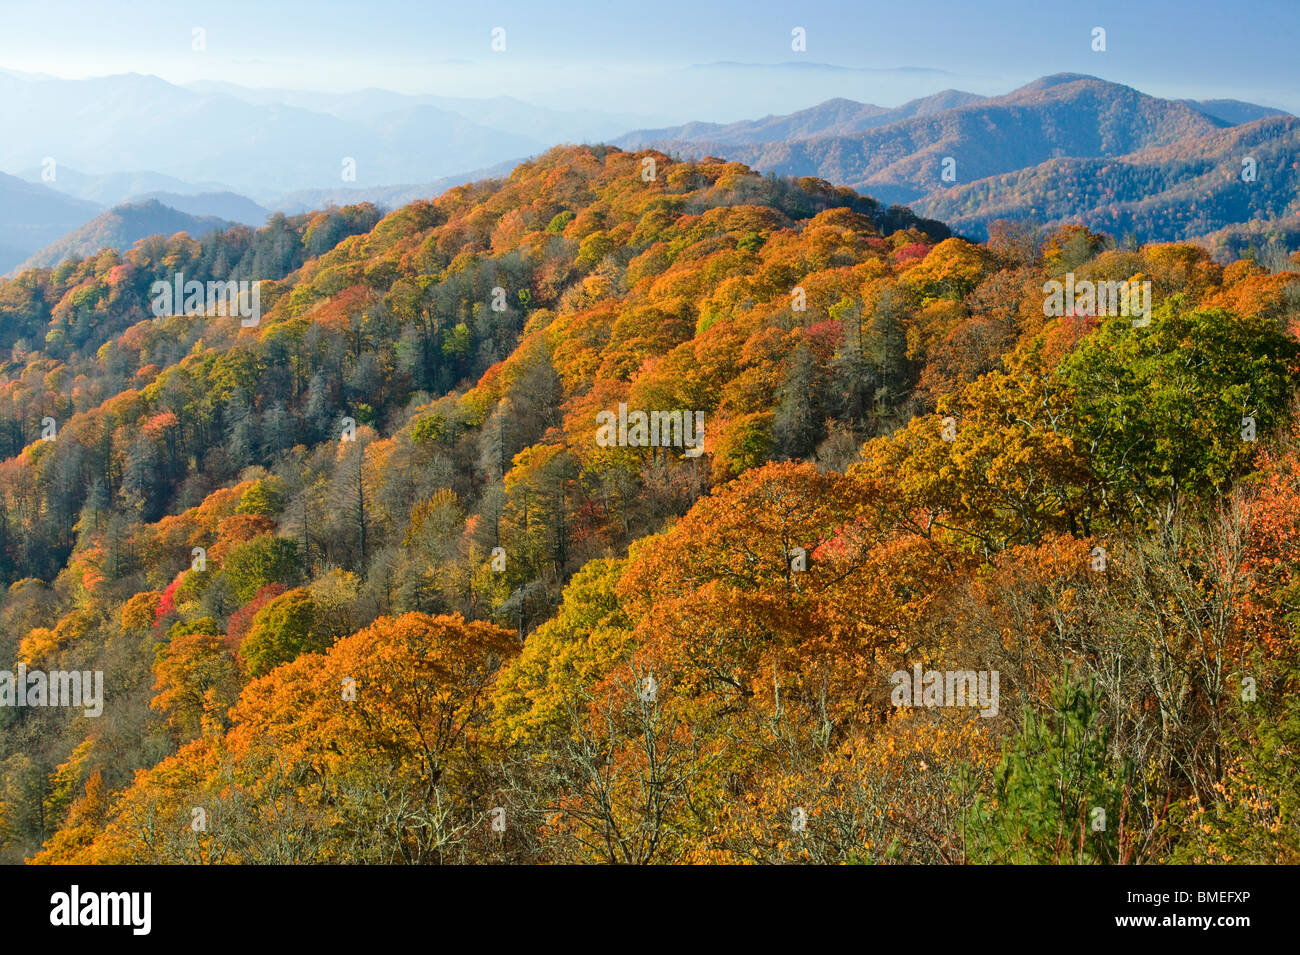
{"x":281,"y":630}
{"x":264,"y":560}
{"x":1160,"y":409}
{"x":265,"y":497}
{"x":1059,"y":795}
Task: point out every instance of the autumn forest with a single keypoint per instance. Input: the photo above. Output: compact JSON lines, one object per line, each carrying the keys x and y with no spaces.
{"x":367,"y":583}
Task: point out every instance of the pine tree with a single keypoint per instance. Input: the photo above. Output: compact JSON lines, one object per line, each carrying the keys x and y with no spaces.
{"x":1059,"y":794}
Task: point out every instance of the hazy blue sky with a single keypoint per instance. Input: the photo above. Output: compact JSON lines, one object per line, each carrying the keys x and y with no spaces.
{"x":609,"y":53}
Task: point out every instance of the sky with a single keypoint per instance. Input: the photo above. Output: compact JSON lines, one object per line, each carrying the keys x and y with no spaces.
{"x":616,"y":56}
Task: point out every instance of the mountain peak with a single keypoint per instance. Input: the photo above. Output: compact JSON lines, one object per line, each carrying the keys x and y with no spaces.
{"x":121,"y":227}
{"x":1062,"y":79}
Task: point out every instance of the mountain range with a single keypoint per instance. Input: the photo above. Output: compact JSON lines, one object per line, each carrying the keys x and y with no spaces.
{"x":1067,"y":147}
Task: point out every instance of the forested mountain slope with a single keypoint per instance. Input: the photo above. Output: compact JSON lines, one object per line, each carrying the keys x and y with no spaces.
{"x":366,"y":577}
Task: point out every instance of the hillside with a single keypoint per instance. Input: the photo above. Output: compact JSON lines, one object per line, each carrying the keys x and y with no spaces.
{"x":120,"y":228}
{"x":625,"y":475}
{"x":1182,"y":191}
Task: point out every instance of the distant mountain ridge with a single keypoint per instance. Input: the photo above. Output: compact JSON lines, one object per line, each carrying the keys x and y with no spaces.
{"x":1049,"y":118}
{"x":1024,"y":154}
{"x":33,"y":215}
{"x":498,"y":112}
{"x":386,"y":197}
{"x":227,"y":206}
{"x":1233,"y":111}
{"x":833,"y":117}
{"x":113,"y":188}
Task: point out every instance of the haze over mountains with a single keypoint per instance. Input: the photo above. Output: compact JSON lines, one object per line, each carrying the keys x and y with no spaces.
{"x":266,"y":142}
{"x":32,"y":216}
{"x":110,"y":188}
{"x":1067,"y":147}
